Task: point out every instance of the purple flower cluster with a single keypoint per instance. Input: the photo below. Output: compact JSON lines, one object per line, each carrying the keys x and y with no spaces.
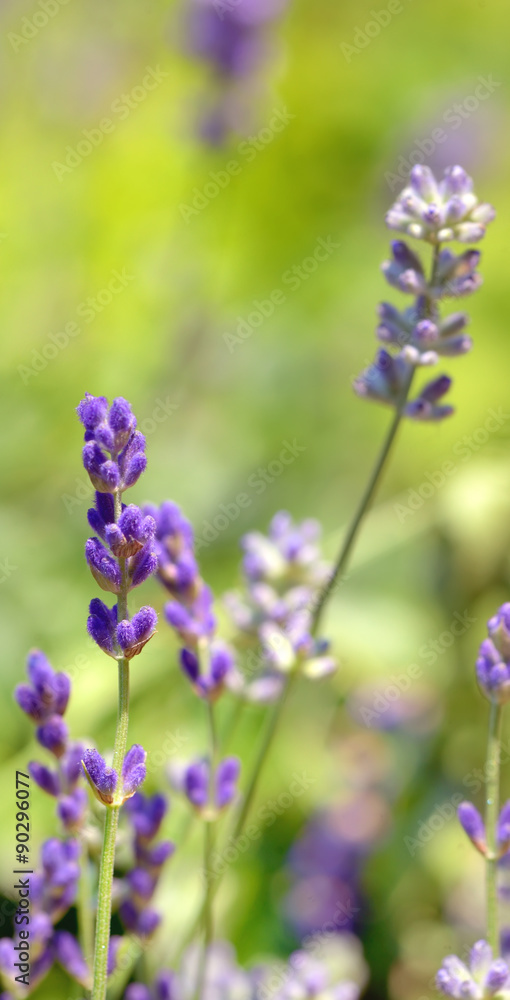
{"x":284,"y":573}
{"x":206,"y":661}
{"x":45,"y":700}
{"x":435,"y":212}
{"x":104,"y":780}
{"x":493,"y":663}
{"x":123,"y":556}
{"x":145,"y":815}
{"x":53,"y":890}
{"x":194,"y":781}
{"x":336,"y":972}
{"x":231,"y":36}
{"x":482,"y":978}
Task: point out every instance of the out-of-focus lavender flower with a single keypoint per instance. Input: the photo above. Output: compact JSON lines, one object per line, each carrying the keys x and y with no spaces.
{"x":284,"y":573}
{"x":208,"y":679}
{"x":48,"y":692}
{"x":336,"y":972}
{"x":194,"y":781}
{"x":114,"y":452}
{"x":223,"y":980}
{"x":484,"y":977}
{"x":436,"y":212}
{"x":136,"y":912}
{"x":163,"y":988}
{"x":45,"y":701}
{"x":104,"y":780}
{"x":232,"y":37}
{"x":440,"y":211}
{"x":493,"y":663}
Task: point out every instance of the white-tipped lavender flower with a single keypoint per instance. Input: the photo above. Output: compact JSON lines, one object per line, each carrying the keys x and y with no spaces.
{"x":435,"y":212}
{"x":440,"y":211}
{"x":482,"y":978}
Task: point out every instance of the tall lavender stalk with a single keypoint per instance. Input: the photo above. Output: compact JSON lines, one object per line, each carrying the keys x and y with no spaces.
{"x":433,"y":212}
{"x":114,"y":459}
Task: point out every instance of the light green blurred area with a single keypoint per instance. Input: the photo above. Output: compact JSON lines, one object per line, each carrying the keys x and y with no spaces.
{"x":161,"y":340}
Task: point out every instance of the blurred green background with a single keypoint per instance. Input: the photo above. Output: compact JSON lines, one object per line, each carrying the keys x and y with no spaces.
{"x":226,"y":413}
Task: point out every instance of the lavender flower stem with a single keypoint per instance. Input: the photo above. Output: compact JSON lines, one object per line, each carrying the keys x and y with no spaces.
{"x":371,"y":486}
{"x":491,"y":820}
{"x":104,"y":902}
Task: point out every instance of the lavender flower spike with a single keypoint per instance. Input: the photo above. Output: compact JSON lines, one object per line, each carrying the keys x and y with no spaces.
{"x":114,"y":452}
{"x":483,"y":978}
{"x":48,"y":691}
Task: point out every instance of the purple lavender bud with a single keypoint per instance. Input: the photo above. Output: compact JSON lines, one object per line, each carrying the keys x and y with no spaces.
{"x":146,"y":814}
{"x":211,"y":684}
{"x":29,"y":702}
{"x":384,"y":380}
{"x":131,"y":533}
{"x":165,"y":985}
{"x":70,"y":764}
{"x":194,"y":622}
{"x":492,"y":671}
{"x":405,"y":271}
{"x":121,"y":421}
{"x":196,"y":783}
{"x":472,"y":823}
{"x":143,"y":564}
{"x":103,"y":473}
{"x":497,"y":977}
{"x":71,"y":809}
{"x":92,"y":411}
{"x":141,"y":883}
{"x":425,"y":407}
{"x":132,"y":461}
{"x":137,"y":991}
{"x":133,"y":635}
{"x":102,"y":626}
{"x":53,"y":735}
{"x":46,"y":779}
{"x":68,"y":954}
{"x":155,"y":857}
{"x":148,"y":922}
{"x":226,"y":781}
{"x":133,"y":770}
{"x":103,"y":567}
{"x":499,"y":630}
{"x":102,"y":779}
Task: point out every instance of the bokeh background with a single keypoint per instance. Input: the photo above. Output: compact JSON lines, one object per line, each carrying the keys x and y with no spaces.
{"x":216,"y":411}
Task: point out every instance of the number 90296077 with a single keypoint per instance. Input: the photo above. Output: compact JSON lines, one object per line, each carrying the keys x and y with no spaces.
{"x":22,"y":817}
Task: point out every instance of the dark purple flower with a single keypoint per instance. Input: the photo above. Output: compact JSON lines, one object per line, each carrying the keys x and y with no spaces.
{"x":44,"y":777}
{"x":102,"y":779}
{"x":133,"y":635}
{"x":104,"y":568}
{"x":208,"y":683}
{"x":195,"y":621}
{"x":493,"y":663}
{"x":146,"y":814}
{"x":72,"y":809}
{"x":425,"y":406}
{"x":48,"y":691}
{"x":126,"y":536}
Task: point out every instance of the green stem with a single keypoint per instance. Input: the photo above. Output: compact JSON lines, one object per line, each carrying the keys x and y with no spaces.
{"x":491,"y":821}
{"x":104,"y":898}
